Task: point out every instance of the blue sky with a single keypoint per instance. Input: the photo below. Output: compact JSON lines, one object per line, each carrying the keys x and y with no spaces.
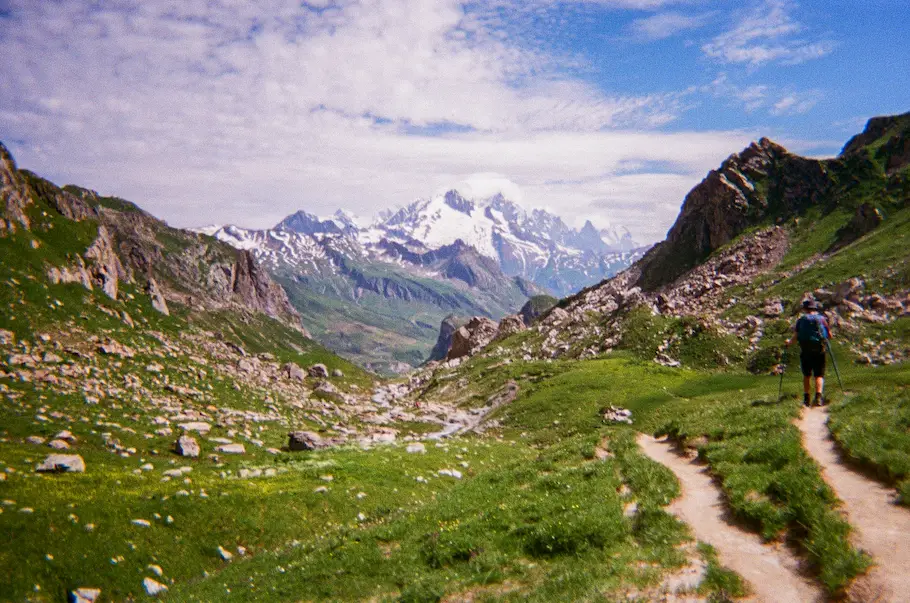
{"x":217,"y":111}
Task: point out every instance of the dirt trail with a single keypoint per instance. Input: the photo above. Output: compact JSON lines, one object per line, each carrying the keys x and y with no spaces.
{"x":771,"y":570}
{"x":881,"y":528}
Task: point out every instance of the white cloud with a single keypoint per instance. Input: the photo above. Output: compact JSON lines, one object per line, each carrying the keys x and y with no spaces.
{"x":664,"y":25}
{"x":795,"y":103}
{"x":217,"y":111}
{"x":777,"y":101}
{"x":765,"y":35}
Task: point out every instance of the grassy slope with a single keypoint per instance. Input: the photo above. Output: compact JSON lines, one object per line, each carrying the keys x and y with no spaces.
{"x":733,"y":419}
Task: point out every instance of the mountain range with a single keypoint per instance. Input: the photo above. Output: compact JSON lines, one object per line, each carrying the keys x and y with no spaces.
{"x":377,"y":293}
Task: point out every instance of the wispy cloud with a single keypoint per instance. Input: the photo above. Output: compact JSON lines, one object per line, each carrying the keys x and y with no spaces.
{"x":664,"y":25}
{"x":773,"y":99}
{"x":767,"y":34}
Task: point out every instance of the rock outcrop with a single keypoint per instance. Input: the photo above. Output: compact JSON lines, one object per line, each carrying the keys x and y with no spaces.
{"x":477,"y":333}
{"x":14,"y":196}
{"x":450,"y":324}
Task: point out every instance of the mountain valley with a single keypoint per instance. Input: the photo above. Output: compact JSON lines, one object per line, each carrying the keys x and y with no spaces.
{"x":171,"y":430}
{"x":377,"y":294}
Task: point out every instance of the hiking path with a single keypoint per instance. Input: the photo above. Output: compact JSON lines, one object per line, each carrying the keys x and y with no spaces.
{"x":882,"y":528}
{"x":772,"y":571}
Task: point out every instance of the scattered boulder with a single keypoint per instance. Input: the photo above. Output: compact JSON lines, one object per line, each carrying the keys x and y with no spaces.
{"x":84,"y":595}
{"x":62,"y":463}
{"x":773,"y":308}
{"x":850,"y":289}
{"x":36,"y":440}
{"x":613,"y":414}
{"x":114,"y":348}
{"x":58,"y":444}
{"x":197,"y":426}
{"x":7,"y":337}
{"x":337,"y":373}
{"x":305,"y":440}
{"x":557,"y":316}
{"x":318,"y":371}
{"x":231,"y":449}
{"x":66,"y":436}
{"x":51,"y":358}
{"x":187,"y":446}
{"x":153,"y":587}
{"x":293,"y":372}
{"x":416,"y":448}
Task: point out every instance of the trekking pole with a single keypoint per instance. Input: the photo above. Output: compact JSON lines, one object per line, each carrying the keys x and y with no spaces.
{"x":783,"y":367}
{"x":834,"y":364}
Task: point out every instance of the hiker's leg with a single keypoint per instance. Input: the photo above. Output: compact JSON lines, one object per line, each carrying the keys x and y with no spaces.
{"x":819,"y":385}
{"x":807,"y":384}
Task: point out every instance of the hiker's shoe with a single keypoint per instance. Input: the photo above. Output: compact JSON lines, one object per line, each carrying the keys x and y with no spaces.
{"x":806,"y":400}
{"x":819,"y":401}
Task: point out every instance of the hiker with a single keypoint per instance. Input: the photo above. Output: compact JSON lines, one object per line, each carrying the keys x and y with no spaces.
{"x":812,"y":331}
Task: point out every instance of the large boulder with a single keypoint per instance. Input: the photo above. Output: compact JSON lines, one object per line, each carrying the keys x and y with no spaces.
{"x":62,"y":463}
{"x":293,"y":372}
{"x":305,"y":440}
{"x":187,"y":446}
{"x":468,"y":339}
{"x":447,"y":328}
{"x":318,"y":371}
{"x":509,"y":326}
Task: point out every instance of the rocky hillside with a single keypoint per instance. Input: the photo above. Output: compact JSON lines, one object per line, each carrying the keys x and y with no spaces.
{"x":755,"y":237}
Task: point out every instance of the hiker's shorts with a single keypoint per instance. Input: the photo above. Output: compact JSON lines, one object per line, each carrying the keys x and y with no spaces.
{"x":812,"y":362}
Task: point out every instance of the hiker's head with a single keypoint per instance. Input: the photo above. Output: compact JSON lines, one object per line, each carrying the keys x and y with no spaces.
{"x":810,"y":305}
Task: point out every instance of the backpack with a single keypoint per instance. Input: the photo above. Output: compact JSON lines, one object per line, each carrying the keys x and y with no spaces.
{"x":811,"y":329}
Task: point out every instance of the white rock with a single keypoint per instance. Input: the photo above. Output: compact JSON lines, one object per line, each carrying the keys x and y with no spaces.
{"x":450,"y":473}
{"x":153,"y":587}
{"x":156,"y":569}
{"x":225,"y":554}
{"x":68,"y":463}
{"x":416,"y":447}
{"x":84,"y":595}
{"x":145,"y":523}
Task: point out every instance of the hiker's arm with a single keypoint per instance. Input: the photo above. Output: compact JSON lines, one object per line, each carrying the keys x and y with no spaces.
{"x":792,"y":338}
